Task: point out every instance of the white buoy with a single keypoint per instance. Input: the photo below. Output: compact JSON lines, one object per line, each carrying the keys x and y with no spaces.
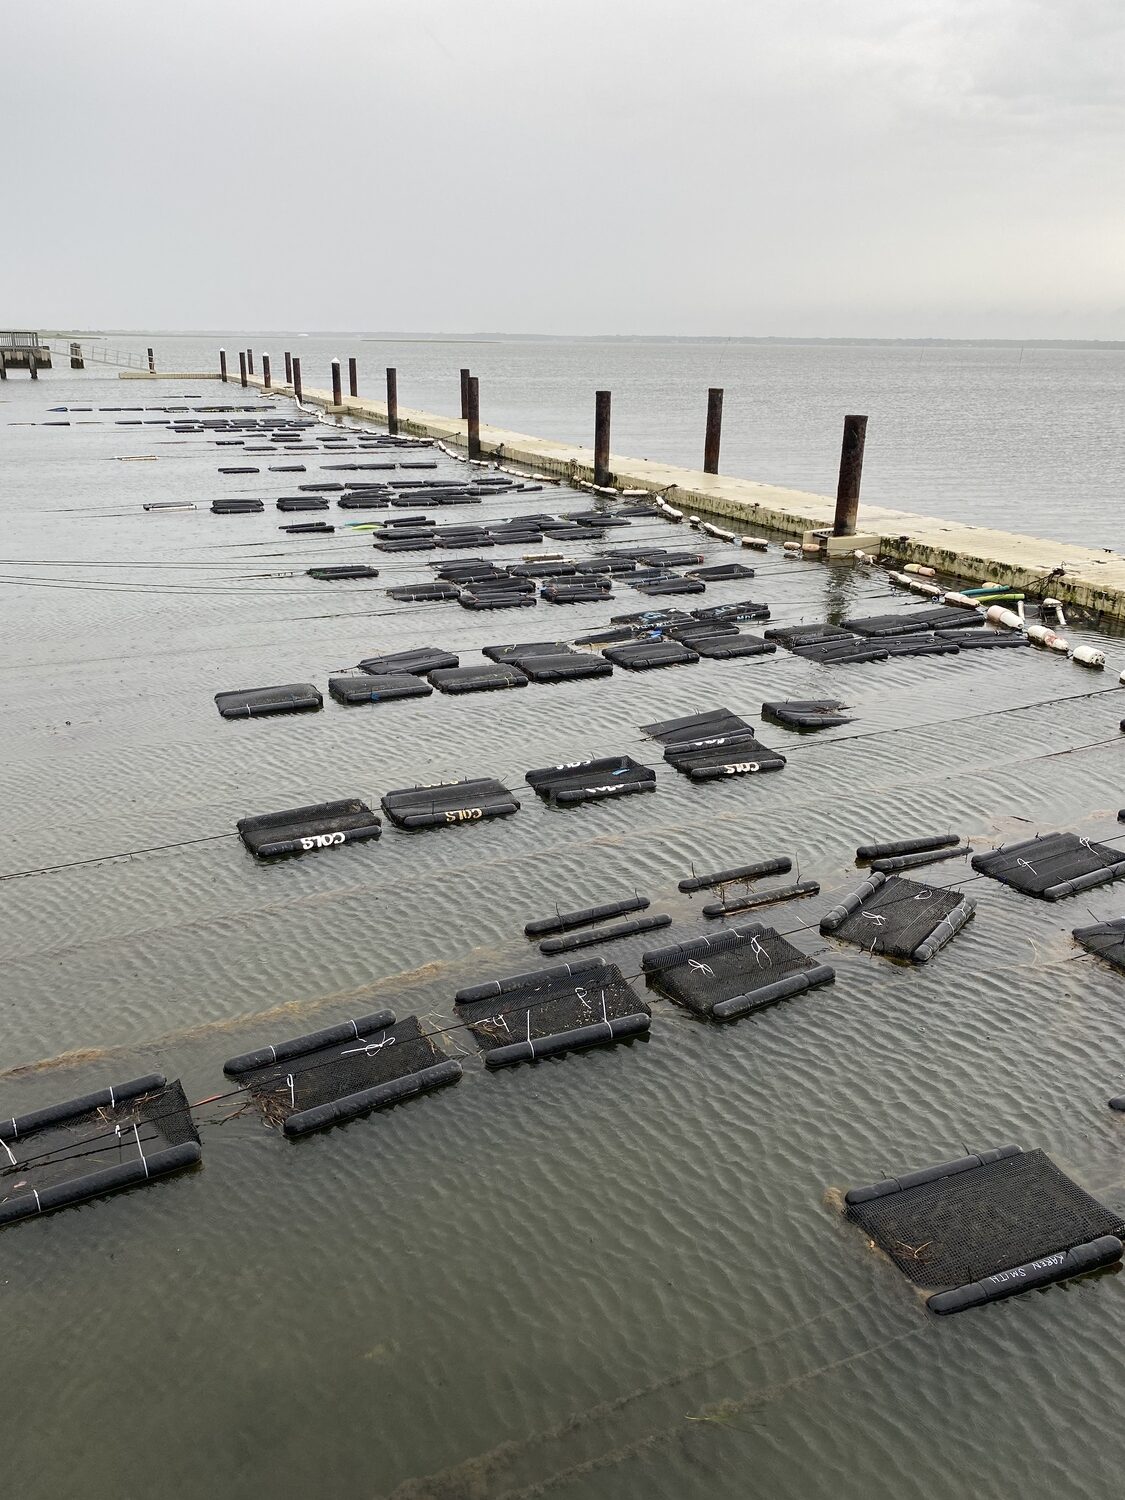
{"x":1042,"y":635}
{"x":920,"y":569}
{"x":1086,"y":656}
{"x":899,"y":578}
{"x":792,"y":548}
{"x":759,"y":543}
{"x":920,"y":586}
{"x":996,"y":614}
{"x":960,"y":601}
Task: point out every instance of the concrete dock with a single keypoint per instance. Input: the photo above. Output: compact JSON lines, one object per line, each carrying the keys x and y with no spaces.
{"x":1093,"y":578}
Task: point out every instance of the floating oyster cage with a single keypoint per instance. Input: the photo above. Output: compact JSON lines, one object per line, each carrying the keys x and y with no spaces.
{"x":333,"y":1075}
{"x":899,"y":918}
{"x":591,"y":780}
{"x":449,"y":804}
{"x":1053,"y":865}
{"x":300,"y":830}
{"x":123,"y":1136}
{"x":984,"y":1227}
{"x":739,"y":970}
{"x":545,"y":1012}
{"x":250,"y":703}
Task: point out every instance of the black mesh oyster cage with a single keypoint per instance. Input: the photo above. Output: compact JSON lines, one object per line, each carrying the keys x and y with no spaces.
{"x":897,"y":917}
{"x":735,"y":972}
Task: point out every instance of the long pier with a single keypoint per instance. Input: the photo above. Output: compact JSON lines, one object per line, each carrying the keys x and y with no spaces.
{"x":1093,"y":578}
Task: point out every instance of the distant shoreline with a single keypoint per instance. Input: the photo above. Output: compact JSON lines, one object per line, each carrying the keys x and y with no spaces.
{"x":596,"y":338}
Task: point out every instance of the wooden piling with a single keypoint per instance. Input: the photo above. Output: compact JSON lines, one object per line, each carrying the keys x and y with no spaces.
{"x":76,"y":360}
{"x":851,"y":471}
{"x":223,"y":365}
{"x":465,"y":395}
{"x":250,"y":360}
{"x":392,"y":400}
{"x":714,"y":430}
{"x":297,"y":390}
{"x":337,"y":391}
{"x":353,"y":377}
{"x":473,"y":416}
{"x":267,"y":382}
{"x":3,"y":367}
{"x":601,"y":437}
{"x":151,"y":363}
{"x":242,"y":366}
{"x":33,"y":367}
{"x":288,"y":368}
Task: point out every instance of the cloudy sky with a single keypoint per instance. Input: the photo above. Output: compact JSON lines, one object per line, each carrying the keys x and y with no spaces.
{"x":804,"y":167}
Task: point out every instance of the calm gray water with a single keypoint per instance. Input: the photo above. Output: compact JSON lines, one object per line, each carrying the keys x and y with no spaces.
{"x":1027,"y":440}
{"x":620,"y":1274}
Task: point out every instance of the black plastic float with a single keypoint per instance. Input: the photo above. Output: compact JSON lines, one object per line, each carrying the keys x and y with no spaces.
{"x":981,"y":1228}
{"x":923,"y":843}
{"x":237,"y":507}
{"x":898,"y":918}
{"x":477,"y":679}
{"x":333,"y":1075}
{"x":566,"y":921}
{"x":751,"y":900}
{"x":779,"y":866}
{"x":540,"y":1014}
{"x":735,"y":972}
{"x":301,"y":502}
{"x":343,"y":570}
{"x":249,"y":703}
{"x":598,"y":935}
{"x":915,"y":861}
{"x":299,"y":830}
{"x":449,"y":804}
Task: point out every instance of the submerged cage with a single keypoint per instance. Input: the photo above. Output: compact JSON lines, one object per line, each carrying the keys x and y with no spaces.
{"x":736,"y":972}
{"x":418,"y":662}
{"x":806,"y":713}
{"x":988,"y":1226}
{"x":251,"y":703}
{"x":548,"y":1011}
{"x":302,"y":829}
{"x":449,"y":803}
{"x":333,"y":1075}
{"x":1105,"y":940}
{"x":118,"y":1137}
{"x":899,"y":918}
{"x":1053,"y":865}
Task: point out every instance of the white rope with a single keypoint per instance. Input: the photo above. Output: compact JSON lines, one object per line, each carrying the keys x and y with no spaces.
{"x":140,"y":1148}
{"x":8,"y":1149}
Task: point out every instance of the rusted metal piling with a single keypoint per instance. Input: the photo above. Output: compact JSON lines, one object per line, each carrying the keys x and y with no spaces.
{"x":297,"y":391}
{"x":267,"y":382}
{"x":288,"y":368}
{"x":242,"y":367}
{"x":151,"y":362}
{"x":353,"y":377}
{"x":465,"y":395}
{"x":473,"y":417}
{"x":851,"y":471}
{"x":714,"y":430}
{"x":392,"y":400}
{"x":337,"y":390}
{"x":601,"y":437}
{"x":223,"y":365}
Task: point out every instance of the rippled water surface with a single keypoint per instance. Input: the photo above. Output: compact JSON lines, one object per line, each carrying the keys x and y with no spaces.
{"x":616,"y":1274}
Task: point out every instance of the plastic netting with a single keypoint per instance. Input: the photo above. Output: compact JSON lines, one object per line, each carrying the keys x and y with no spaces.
{"x":741,"y":961}
{"x":898,"y":917}
{"x":957,"y":1229}
{"x":1106,"y":939}
{"x":1041,"y":866}
{"x":551,"y":1002}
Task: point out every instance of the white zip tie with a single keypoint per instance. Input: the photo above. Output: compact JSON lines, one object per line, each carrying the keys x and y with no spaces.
{"x":292,"y":1090}
{"x":140,"y":1148}
{"x":112,"y":1100}
{"x":38,"y":1205}
{"x":8,"y":1149}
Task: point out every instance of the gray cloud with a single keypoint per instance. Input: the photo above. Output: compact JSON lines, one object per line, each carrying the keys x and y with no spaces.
{"x":888,"y":167}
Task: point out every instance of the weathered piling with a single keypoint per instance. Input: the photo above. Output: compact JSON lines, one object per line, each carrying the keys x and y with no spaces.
{"x":3,"y":366}
{"x":297,"y":391}
{"x":353,"y":377}
{"x":33,"y":368}
{"x":77,"y":362}
{"x":151,"y":362}
{"x":223,"y":365}
{"x":465,"y":395}
{"x":250,"y":360}
{"x":266,"y":378}
{"x":288,"y":368}
{"x":851,"y":471}
{"x":473,"y":417}
{"x":242,"y":366}
{"x":337,"y":389}
{"x":714,"y":430}
{"x":392,"y":400}
{"x":601,"y":437}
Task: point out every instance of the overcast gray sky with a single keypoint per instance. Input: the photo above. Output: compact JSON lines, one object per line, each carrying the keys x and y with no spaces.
{"x":808,"y":167}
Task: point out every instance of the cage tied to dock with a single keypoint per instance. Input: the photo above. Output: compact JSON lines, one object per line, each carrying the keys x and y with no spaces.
{"x":985,"y":1227}
{"x":343,"y":1071}
{"x":549,"y":1011}
{"x":123,"y":1136}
